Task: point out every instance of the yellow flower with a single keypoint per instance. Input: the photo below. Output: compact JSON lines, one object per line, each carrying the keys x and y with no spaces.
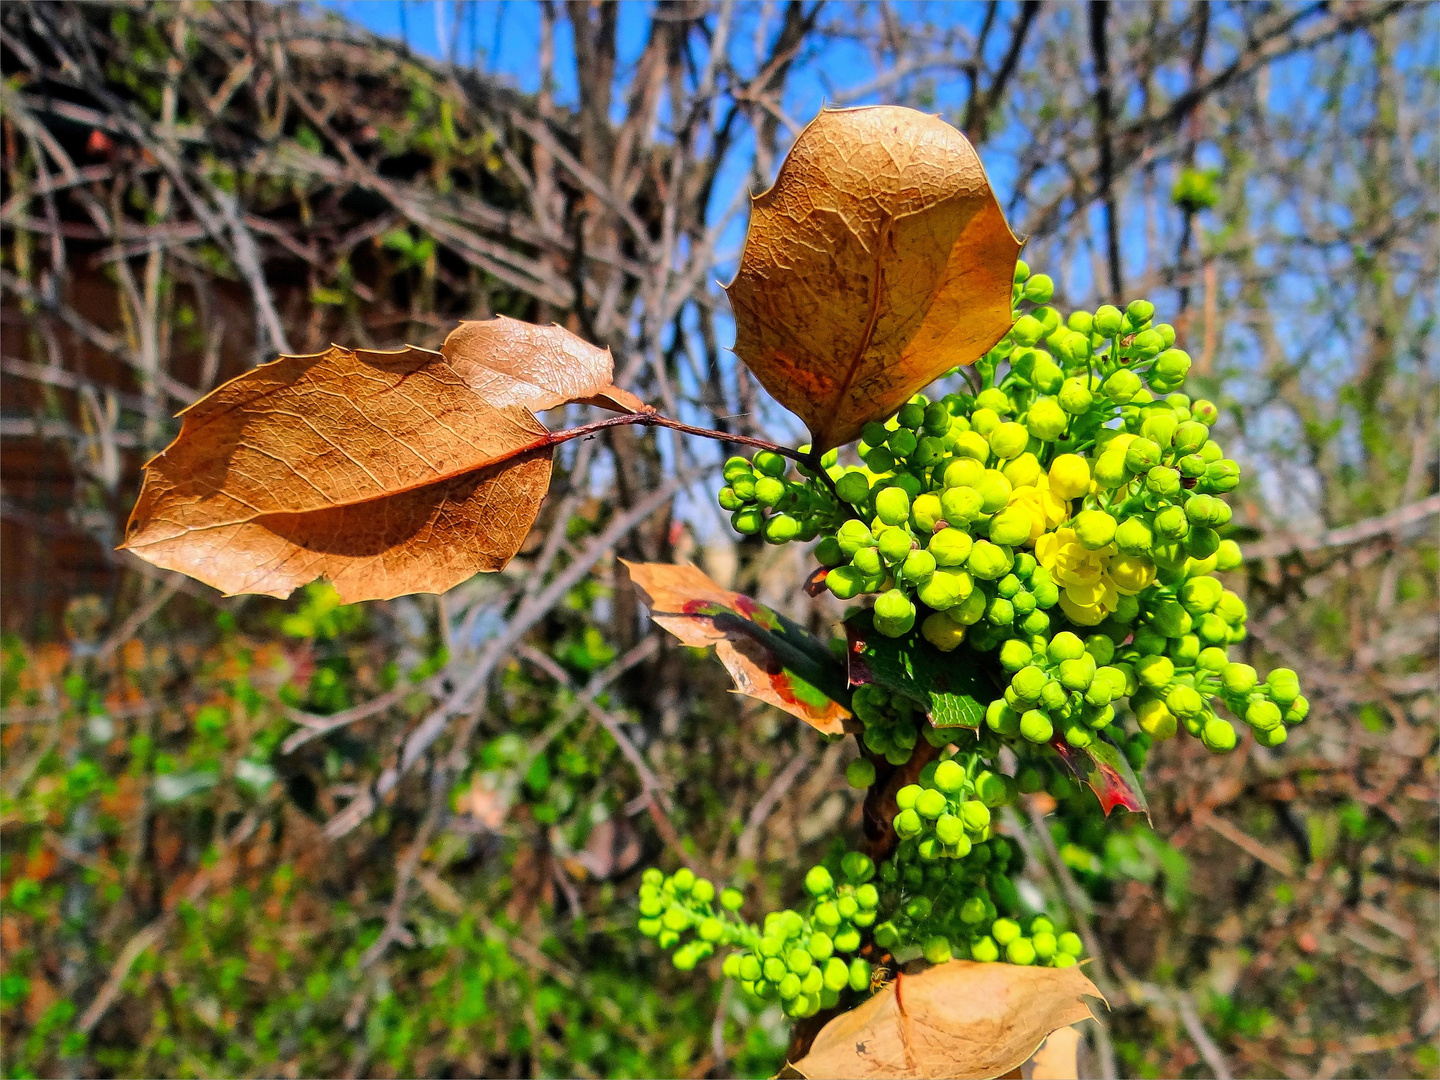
{"x":1088,"y":592}
{"x":1069,"y":476}
{"x":1131,"y":573}
{"x":1044,"y":509}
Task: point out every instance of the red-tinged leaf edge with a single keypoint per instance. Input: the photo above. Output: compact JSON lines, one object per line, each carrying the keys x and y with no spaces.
{"x":801,"y":670}
{"x":1106,"y":770}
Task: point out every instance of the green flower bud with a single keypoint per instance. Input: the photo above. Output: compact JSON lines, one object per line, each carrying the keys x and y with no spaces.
{"x":1231,"y":608}
{"x":1283,"y":686}
{"x":1076,"y":674}
{"x":1004,"y":931}
{"x":894,"y":613}
{"x":859,"y":974}
{"x":960,"y":505}
{"x":1238,"y":679}
{"x":1014,"y":655}
{"x":1047,"y":377}
{"x":895,"y":544}
{"x":1223,"y":475}
{"x":1036,"y":727}
{"x":943,"y":590}
{"x":1201,"y":594}
{"x":1171,"y":523}
{"x":1027,"y":330}
{"x":1002,"y":719}
{"x":918,"y":567}
{"x":1262,"y":714}
{"x":1139,"y":312}
{"x":908,"y":824}
{"x":1011,"y":527}
{"x":1046,"y":420}
{"x":971,"y":608}
{"x":1108,"y":321}
{"x":1121,"y":386}
{"x":1110,"y":471}
{"x":1094,"y":528}
{"x":1028,"y":682}
{"x":949,"y":830}
{"x":1142,"y":455}
{"x":879,"y":460}
{"x":998,"y":612}
{"x":975,"y":815}
{"x":728,"y":500}
{"x":988,"y":561}
{"x":770,"y":463}
{"x":735,"y":468}
{"x":892,"y":506}
{"x":1218,"y":735}
{"x":1298,"y":710}
{"x":853,"y":488}
{"x":994,"y":491}
{"x":845,"y":582}
{"x":902,"y":443}
{"x":818,"y":881}
{"x":1228,"y":556}
{"x":1184,"y":702}
{"x":964,"y":472}
{"x":911,"y":415}
{"x":1172,"y":364}
{"x":854,"y":535}
{"x":1154,"y":672}
{"x":1133,"y":537}
{"x":1076,"y":396}
{"x":930,"y":803}
{"x":1183,"y":650}
{"x":1009,"y":440}
{"x":867,"y":562}
{"x":781,"y":529}
{"x":1038,"y":290}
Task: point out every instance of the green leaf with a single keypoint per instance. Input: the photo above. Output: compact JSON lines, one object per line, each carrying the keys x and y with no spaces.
{"x":953,"y":688}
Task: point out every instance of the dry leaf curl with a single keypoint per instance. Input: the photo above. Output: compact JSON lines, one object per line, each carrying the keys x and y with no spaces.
{"x":877,"y":261}
{"x":958,"y":1019}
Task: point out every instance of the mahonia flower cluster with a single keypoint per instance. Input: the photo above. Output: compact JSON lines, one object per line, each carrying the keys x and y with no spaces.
{"x":803,"y":959}
{"x":1059,"y":526}
{"x":945,"y":892}
{"x":1065,"y":516}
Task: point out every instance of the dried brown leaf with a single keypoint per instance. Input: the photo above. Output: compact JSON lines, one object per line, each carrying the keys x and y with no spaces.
{"x":769,"y":657}
{"x":508,"y":362}
{"x":959,"y":1019}
{"x":879,"y":260}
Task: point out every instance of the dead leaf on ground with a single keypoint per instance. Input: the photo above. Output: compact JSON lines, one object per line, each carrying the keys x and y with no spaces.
{"x":385,"y":472}
{"x":770,"y":657}
{"x":959,"y":1019}
{"x":878,"y":260}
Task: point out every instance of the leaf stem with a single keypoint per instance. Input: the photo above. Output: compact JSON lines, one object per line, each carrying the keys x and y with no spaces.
{"x":654,"y":419}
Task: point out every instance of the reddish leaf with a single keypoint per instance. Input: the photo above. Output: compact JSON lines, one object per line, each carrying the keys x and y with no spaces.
{"x":1105,"y":769}
{"x":769,"y":657}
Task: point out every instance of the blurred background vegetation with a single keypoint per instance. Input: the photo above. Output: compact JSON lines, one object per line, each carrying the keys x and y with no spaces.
{"x":242,"y":836}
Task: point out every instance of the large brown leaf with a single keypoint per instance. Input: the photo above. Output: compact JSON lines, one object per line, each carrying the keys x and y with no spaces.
{"x":386,"y":472}
{"x":877,"y":261}
{"x":770,"y":657}
{"x":959,"y":1019}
